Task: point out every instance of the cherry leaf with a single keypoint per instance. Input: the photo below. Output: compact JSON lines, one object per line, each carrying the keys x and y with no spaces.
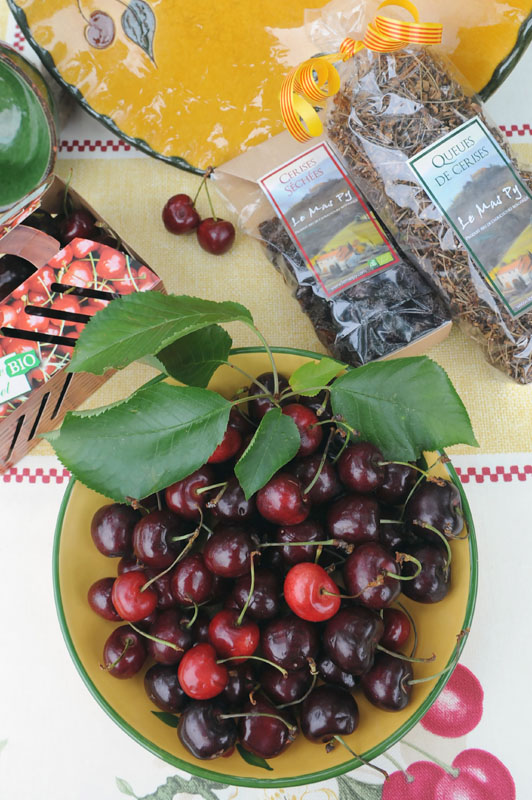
{"x":169,"y":719}
{"x":251,"y":758}
{"x":275,"y":443}
{"x":133,"y":448}
{"x":195,"y":358}
{"x":404,"y":406}
{"x":144,"y":323}
{"x":315,"y":374}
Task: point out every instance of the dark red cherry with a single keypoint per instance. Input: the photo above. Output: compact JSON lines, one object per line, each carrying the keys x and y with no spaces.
{"x":129,"y":564}
{"x":163,"y":587}
{"x":290,"y":642}
{"x":265,"y":601}
{"x":112,"y":529}
{"x":163,"y":689}
{"x":307,"y":424}
{"x":228,"y":447}
{"x":191,"y":581}
{"x":354,"y":518}
{"x":80,"y":224}
{"x":239,"y":421}
{"x":311,"y":593}
{"x":265,"y":736}
{"x":331,"y":673}
{"x":351,"y":637}
{"x":180,"y":215}
{"x":370,"y":563}
{"x":99,"y":597}
{"x":227,"y":552}
{"x":124,"y":649}
{"x":169,"y":627}
{"x":327,"y":485}
{"x":182,"y":496}
{"x":259,"y":406}
{"x":434,"y":581}
{"x":130,"y":600}
{"x":394,"y":535}
{"x":397,"y":484}
{"x":204,"y":733}
{"x":359,"y":467}
{"x":231,"y":639}
{"x":307,"y":531}
{"x":232,"y":505}
{"x":216,"y":236}
{"x":386,"y":684}
{"x":242,"y":681}
{"x":200,"y":627}
{"x":152,"y":538}
{"x":327,"y":712}
{"x":199,"y":675}
{"x":436,"y":503}
{"x":396,"y":628}
{"x":289,"y":688}
{"x":282,"y":500}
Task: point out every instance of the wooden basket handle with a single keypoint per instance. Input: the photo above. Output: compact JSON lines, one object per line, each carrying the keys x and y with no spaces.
{"x":35,"y":246}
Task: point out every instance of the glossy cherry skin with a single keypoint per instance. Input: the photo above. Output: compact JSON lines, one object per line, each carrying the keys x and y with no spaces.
{"x":191,"y":581}
{"x":265,"y":601}
{"x":230,"y":639}
{"x":163,"y":689}
{"x":311,"y":593}
{"x":327,"y":485}
{"x":331,"y":673}
{"x":204,"y":734}
{"x":264,"y":736}
{"x":227,"y":552}
{"x":242,"y":681}
{"x":228,"y":447}
{"x":179,"y":214}
{"x":130,"y":602}
{"x":359,"y":467}
{"x":200,"y":627}
{"x":169,"y":627}
{"x":182,"y":496}
{"x":351,"y":637}
{"x":354,"y":518}
{"x":396,"y":628}
{"x":199,"y":675}
{"x":436,"y":503}
{"x":216,"y":236}
{"x":80,"y":224}
{"x":307,"y":531}
{"x":328,"y":711}
{"x":306,"y":421}
{"x":259,"y":406}
{"x":397,"y":484}
{"x":152,"y":538}
{"x":367,"y":564}
{"x":386,"y":683}
{"x":434,"y":580}
{"x":289,"y":642}
{"x":232,"y":505}
{"x":282,"y":500}
{"x":481,"y":776}
{"x":285,"y":689}
{"x":129,"y":659}
{"x":394,"y":536}
{"x":112,"y":529}
{"x":163,"y":587}
{"x":99,"y":597}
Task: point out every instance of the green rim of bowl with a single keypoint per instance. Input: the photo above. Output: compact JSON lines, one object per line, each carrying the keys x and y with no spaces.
{"x":311,"y":777}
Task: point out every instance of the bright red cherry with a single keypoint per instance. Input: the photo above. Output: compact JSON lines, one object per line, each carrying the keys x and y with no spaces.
{"x":311,"y":593}
{"x":229,"y":638}
{"x":130,"y":602}
{"x":228,"y":447}
{"x":112,"y":264}
{"x":180,"y":215}
{"x":307,"y":424}
{"x":183,"y":498}
{"x":282,"y":500}
{"x":199,"y":674}
{"x":216,"y":236}
{"x":396,"y":628}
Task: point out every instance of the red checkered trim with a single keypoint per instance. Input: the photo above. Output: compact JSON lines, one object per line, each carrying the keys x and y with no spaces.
{"x":26,"y":475}
{"x":92,"y":146}
{"x":520,"y":130}
{"x":18,"y":40}
{"x":506,"y":474}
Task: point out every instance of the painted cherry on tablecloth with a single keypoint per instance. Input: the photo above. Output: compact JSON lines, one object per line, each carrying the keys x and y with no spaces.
{"x":481,"y":776}
{"x":418,"y":782}
{"x":458,"y":708}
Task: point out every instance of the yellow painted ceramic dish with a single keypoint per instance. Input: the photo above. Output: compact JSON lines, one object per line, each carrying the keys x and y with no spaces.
{"x":77,"y":564}
{"x":197,"y":83}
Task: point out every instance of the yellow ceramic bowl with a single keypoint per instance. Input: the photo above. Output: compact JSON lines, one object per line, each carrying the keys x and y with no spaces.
{"x":77,"y":564}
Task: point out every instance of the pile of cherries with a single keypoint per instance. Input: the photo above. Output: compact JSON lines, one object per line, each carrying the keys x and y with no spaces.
{"x":260,"y":616}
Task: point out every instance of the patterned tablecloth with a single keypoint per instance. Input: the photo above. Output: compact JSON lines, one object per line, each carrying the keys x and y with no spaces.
{"x":57,"y":743}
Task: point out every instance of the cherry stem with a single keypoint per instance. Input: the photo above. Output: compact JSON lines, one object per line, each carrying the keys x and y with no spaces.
{"x":204,"y":489}
{"x":300,"y":700}
{"x":191,"y":622}
{"x":251,"y":587}
{"x":343,"y":447}
{"x":247,"y":375}
{"x":413,"y":625}
{"x":200,"y":187}
{"x":362,"y":760}
{"x":428,"y":527}
{"x":213,"y":212}
{"x":347,"y":546}
{"x":291,"y":728}
{"x":272,"y":361}
{"x":411,"y":492}
{"x":156,"y":638}
{"x":447,"y":669}
{"x":127,"y":644}
{"x":401,"y":558}
{"x":181,"y":538}
{"x":409,"y":778}
{"x":451,"y":770}
{"x":247,"y":398}
{"x":321,"y":464}
{"x":159,"y":503}
{"x":391,"y":521}
{"x":88,"y":23}
{"x":191,"y":539}
{"x":254,"y":658}
{"x":402,"y":657}
{"x":404,"y":464}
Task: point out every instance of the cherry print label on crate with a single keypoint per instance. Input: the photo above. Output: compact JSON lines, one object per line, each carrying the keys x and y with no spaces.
{"x":470,"y":179}
{"x":328,"y":220}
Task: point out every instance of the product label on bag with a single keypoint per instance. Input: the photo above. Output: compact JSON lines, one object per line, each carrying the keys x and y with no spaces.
{"x":335,"y":231}
{"x":470,"y":179}
{"x":13,"y":369}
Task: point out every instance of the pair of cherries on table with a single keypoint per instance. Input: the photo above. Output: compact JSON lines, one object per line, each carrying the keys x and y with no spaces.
{"x":208,"y":607}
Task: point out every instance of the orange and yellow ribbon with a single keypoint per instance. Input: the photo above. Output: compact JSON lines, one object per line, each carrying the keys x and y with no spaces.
{"x":316,"y":79}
